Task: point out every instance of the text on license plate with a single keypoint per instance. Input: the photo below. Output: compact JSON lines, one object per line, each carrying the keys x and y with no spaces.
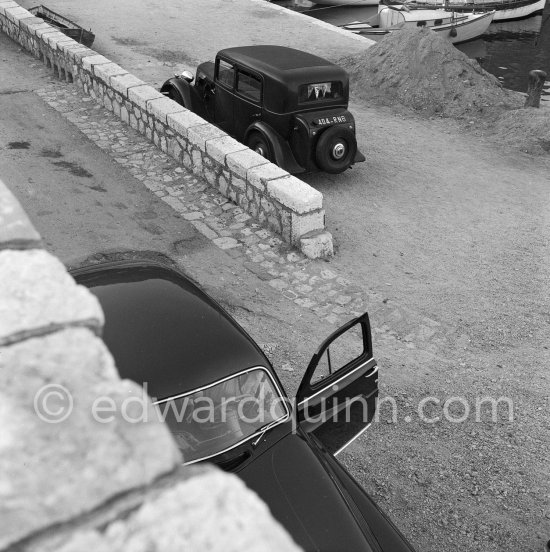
{"x":331,"y":120}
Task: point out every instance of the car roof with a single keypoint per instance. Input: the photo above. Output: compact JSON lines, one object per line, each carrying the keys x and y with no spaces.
{"x":164,"y":331}
{"x":283,"y":63}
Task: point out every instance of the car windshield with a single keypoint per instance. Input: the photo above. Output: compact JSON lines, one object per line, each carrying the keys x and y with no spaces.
{"x":218,"y":417}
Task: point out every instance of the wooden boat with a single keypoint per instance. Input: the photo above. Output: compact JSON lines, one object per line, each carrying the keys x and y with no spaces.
{"x":347,"y":2}
{"x":70,"y":28}
{"x":455,"y":27}
{"x":505,"y":10}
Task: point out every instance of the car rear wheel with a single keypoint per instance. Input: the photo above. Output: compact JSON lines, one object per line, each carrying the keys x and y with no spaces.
{"x":258,"y":143}
{"x":336,"y":149}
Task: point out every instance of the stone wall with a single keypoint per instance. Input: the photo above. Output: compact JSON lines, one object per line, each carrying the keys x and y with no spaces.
{"x":69,"y":482}
{"x":276,"y":199}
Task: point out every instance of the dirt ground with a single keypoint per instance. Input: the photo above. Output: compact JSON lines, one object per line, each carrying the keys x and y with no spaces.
{"x":483,"y":485}
{"x":424,"y":72}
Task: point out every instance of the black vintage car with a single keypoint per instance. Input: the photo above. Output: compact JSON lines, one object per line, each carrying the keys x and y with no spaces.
{"x":289,"y":106}
{"x":163,"y":331}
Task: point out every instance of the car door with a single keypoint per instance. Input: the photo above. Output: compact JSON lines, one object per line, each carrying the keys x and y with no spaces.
{"x":336,"y":399}
{"x":248,"y":102}
{"x":224,"y":95}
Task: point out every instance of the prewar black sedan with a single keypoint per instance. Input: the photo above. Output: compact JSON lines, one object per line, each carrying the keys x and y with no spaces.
{"x":287,"y":105}
{"x":225,"y":404}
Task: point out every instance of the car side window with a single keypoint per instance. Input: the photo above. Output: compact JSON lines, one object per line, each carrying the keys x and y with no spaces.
{"x":226,"y":73}
{"x":249,"y":86}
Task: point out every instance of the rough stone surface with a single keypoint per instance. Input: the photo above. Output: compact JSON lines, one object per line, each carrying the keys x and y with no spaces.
{"x":199,"y":135}
{"x":162,"y":107}
{"x":182,"y":518}
{"x":259,"y":176}
{"x":16,"y":13}
{"x":310,"y":222}
{"x":54,"y":38}
{"x":57,"y":462}
{"x":243,"y":161}
{"x":183,"y":121}
{"x":108,"y":70}
{"x":6,"y":6}
{"x":295,"y":194}
{"x":140,"y":95}
{"x":317,"y":245}
{"x":16,"y":230}
{"x":88,"y":63}
{"x":124,"y":82}
{"x":38,"y":296}
{"x":219,"y":148}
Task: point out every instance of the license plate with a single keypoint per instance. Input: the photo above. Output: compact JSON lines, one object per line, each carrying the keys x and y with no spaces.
{"x":333,"y":120}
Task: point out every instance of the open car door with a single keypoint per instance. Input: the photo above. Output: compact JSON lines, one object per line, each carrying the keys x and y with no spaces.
{"x":336,"y":400}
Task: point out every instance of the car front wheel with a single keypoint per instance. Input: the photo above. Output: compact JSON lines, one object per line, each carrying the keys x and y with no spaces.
{"x":336,"y":149}
{"x":256,"y":142}
{"x":174,"y":94}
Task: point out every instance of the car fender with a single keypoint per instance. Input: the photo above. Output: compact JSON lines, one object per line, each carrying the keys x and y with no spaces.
{"x":281,"y":149}
{"x":189,"y":95}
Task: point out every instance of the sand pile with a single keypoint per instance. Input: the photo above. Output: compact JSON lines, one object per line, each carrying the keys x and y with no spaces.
{"x":424,"y":71}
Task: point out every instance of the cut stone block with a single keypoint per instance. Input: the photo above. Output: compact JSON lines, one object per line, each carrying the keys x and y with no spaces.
{"x":219,"y":148}
{"x":302,"y":224}
{"x":199,"y":135}
{"x":258,"y":177}
{"x":295,"y":194}
{"x":38,"y":296}
{"x":140,"y":95}
{"x":241,"y":162}
{"x":162,"y":107}
{"x":123,"y":83}
{"x":183,"y":121}
{"x":88,"y":63}
{"x":16,"y":13}
{"x":317,"y":244}
{"x":73,"y":435}
{"x":108,"y":70}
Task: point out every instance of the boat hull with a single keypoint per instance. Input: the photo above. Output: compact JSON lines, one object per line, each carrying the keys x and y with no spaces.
{"x":505,"y":10}
{"x":65,"y":25}
{"x":461,"y":28}
{"x":467,"y":30}
{"x":353,"y":3}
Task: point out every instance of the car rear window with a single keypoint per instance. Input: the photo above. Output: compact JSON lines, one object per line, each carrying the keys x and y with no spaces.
{"x":249,"y":85}
{"x":320,"y":91}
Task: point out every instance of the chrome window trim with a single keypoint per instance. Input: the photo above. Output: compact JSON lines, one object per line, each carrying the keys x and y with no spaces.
{"x":282,"y":395}
{"x":353,"y":439}
{"x":375,"y":370}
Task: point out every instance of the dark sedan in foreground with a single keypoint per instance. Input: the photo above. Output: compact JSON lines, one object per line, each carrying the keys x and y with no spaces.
{"x":225,"y":404}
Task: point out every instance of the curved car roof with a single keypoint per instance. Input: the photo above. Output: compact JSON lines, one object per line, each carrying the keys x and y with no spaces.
{"x":287,"y":66}
{"x":164,"y":331}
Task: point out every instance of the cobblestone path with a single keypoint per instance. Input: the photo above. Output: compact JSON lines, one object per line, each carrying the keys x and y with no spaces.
{"x":310,"y":284}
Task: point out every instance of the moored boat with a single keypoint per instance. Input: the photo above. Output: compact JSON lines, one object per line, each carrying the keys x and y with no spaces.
{"x":346,"y":2}
{"x":456,"y":27}
{"x":65,"y":25}
{"x":504,"y":9}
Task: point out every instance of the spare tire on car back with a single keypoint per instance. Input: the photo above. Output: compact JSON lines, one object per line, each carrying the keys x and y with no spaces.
{"x":336,"y":149}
